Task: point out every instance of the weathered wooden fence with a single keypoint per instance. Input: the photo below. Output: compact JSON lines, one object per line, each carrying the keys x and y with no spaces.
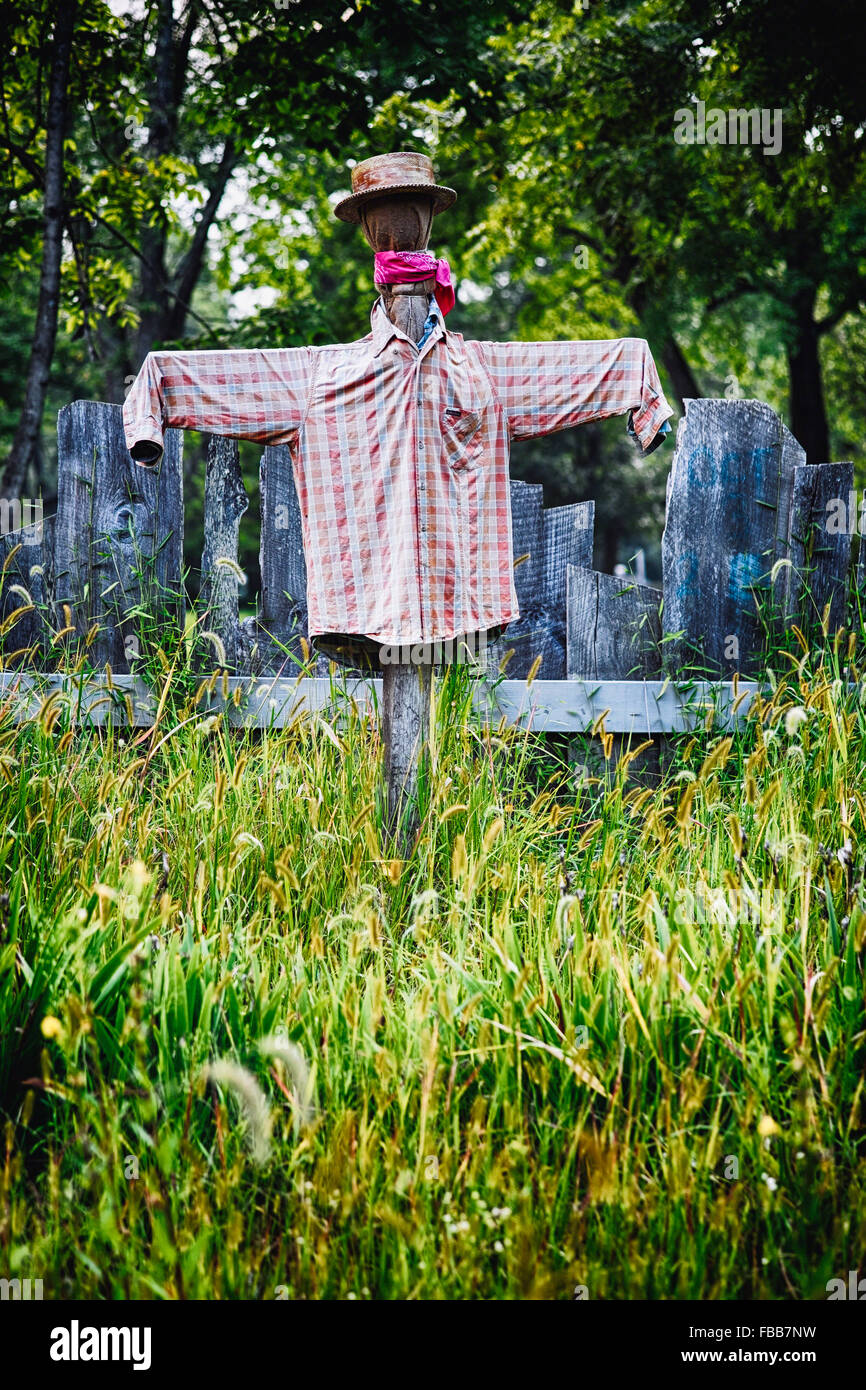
{"x":755,"y":540}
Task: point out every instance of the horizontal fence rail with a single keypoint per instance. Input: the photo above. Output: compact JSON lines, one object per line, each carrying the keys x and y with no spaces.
{"x":621,"y":707}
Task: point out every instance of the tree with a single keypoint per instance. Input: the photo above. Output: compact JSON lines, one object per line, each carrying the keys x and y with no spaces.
{"x":246,"y":90}
{"x":25,"y":442}
{"x":169,"y":107}
{"x":686,"y":228}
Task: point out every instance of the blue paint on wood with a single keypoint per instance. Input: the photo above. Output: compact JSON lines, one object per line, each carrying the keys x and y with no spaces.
{"x":686,"y":574}
{"x":744,"y":574}
{"x":765,"y":468}
{"x":701,"y":467}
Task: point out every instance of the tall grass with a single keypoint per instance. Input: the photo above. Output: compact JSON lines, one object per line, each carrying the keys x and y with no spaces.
{"x":594,"y":1036}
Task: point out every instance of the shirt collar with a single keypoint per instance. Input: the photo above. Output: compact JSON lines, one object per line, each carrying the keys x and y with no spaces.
{"x":383,"y":329}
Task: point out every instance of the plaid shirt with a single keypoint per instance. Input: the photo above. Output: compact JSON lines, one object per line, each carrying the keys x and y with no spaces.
{"x":400,"y":456}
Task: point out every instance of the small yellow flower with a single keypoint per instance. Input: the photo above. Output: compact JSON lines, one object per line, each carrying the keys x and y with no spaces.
{"x":51,"y":1027}
{"x":139,"y":876}
{"x":767,"y":1127}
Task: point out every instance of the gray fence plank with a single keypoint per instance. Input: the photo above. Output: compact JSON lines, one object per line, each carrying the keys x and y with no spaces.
{"x":118,"y":539}
{"x":614,"y":627}
{"x":544,"y":543}
{"x":225,"y":501}
{"x":614,"y":631}
{"x":26,"y":557}
{"x":820,"y":543}
{"x":273,"y":638}
{"x":527,"y":536}
{"x":282,"y":618}
{"x":568,"y":538}
{"x":526,"y":638}
{"x":728,"y":512}
{"x":629,"y":708}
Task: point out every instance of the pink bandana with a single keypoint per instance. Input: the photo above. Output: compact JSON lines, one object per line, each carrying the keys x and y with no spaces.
{"x":404,"y":267}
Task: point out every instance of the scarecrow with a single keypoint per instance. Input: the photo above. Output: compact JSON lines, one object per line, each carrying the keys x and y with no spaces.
{"x":400,"y":443}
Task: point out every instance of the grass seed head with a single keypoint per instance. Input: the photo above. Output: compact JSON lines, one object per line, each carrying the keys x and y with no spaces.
{"x":252,"y":1100}
{"x":295,"y":1064}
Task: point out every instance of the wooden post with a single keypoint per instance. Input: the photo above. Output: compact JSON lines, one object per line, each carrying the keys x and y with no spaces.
{"x":820,"y":540}
{"x":406,"y":691}
{"x":118,"y":544}
{"x":225,"y":501}
{"x":727,"y":523}
{"x":26,"y":557}
{"x":402,"y":223}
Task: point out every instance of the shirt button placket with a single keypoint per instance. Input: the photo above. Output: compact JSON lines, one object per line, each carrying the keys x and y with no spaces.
{"x":421,"y":482}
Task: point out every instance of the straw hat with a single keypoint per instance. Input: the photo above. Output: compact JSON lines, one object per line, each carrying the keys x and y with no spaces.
{"x":385,"y":175}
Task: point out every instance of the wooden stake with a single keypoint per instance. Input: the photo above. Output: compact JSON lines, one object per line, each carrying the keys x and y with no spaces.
{"x":403,"y":223}
{"x":405,"y":717}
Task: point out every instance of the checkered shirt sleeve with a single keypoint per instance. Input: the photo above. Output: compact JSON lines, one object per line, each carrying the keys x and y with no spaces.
{"x":260,"y":395}
{"x":543,"y":387}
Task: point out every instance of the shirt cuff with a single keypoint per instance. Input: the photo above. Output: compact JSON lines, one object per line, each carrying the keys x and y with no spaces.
{"x":652,"y":425}
{"x":146,"y":448}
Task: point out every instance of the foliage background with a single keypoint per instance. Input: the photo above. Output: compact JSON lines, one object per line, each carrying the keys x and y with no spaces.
{"x":521,"y":1060}
{"x":206,"y":146}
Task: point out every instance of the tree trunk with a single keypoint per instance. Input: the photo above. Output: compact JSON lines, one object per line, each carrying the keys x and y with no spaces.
{"x":808,"y":412}
{"x":682,"y":378}
{"x":165,"y":298}
{"x":671,"y":354}
{"x":189,"y":270}
{"x":24,"y":451}
{"x":162,"y":111}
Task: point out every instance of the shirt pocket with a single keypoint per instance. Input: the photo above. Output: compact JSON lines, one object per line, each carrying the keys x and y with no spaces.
{"x":461,"y":432}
